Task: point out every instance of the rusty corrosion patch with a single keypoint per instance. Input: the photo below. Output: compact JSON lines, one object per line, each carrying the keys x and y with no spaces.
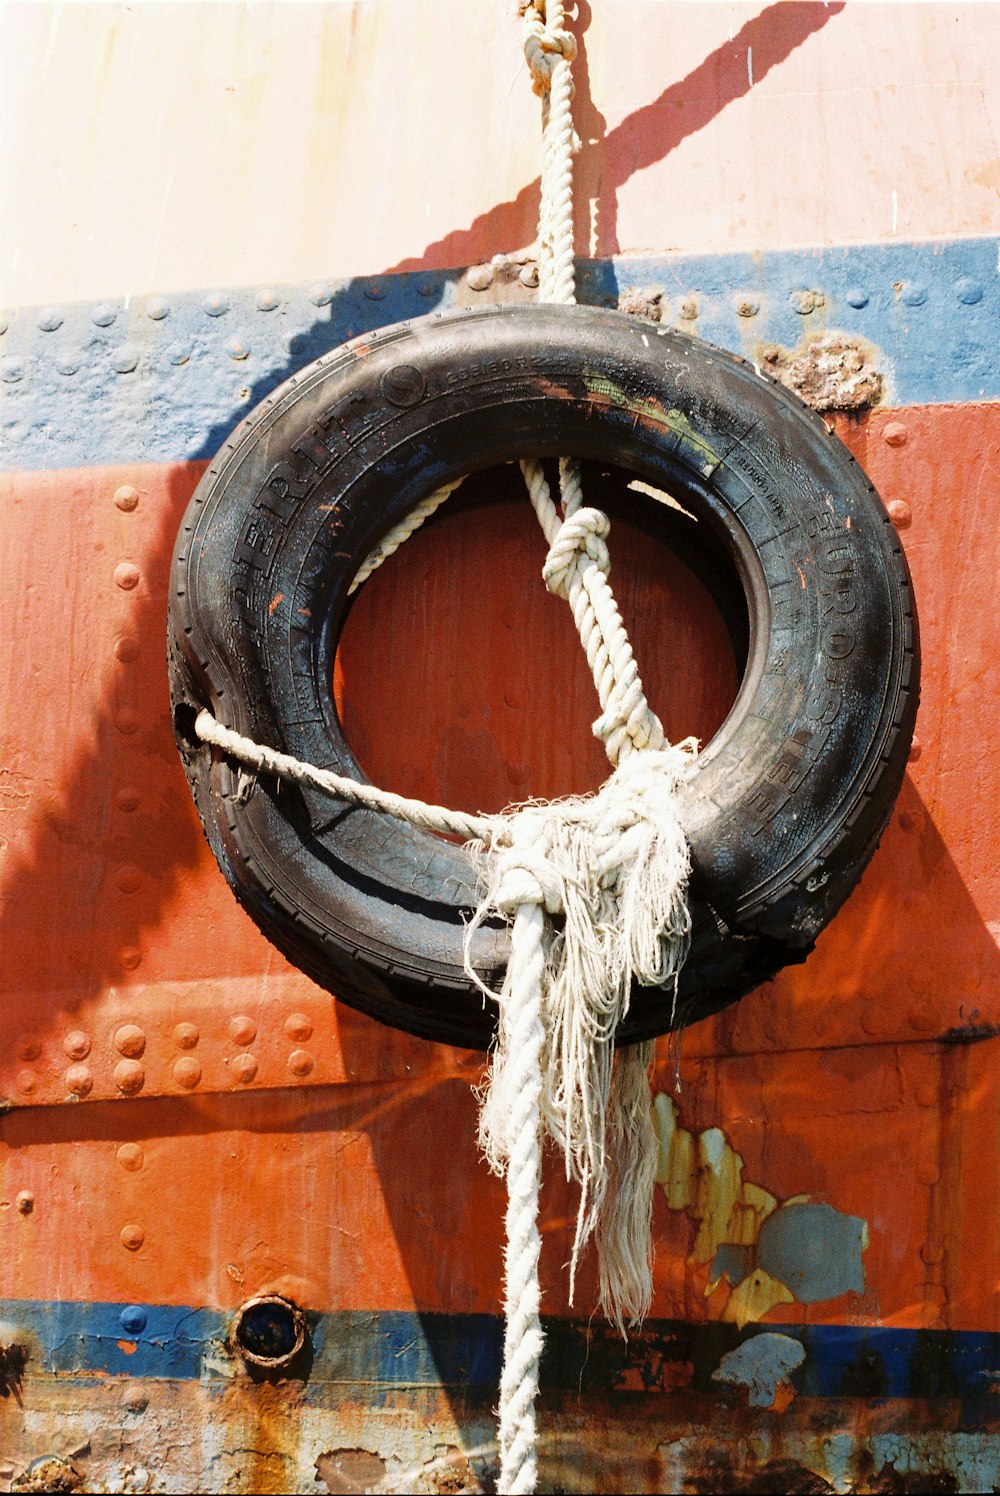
{"x":49,"y":1473}
{"x":647,"y":304}
{"x":347,"y":1470}
{"x":832,"y":371}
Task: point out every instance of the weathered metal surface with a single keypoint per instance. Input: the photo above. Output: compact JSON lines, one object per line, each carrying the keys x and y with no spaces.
{"x":161,"y":377}
{"x":191,"y":1123}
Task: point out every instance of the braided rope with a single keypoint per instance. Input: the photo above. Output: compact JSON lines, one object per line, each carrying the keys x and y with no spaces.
{"x":614,"y":866}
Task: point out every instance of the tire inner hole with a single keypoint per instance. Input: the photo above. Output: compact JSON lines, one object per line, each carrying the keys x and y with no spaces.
{"x":460,"y":679}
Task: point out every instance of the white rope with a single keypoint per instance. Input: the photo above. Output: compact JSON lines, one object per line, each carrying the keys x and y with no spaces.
{"x":595,"y":886}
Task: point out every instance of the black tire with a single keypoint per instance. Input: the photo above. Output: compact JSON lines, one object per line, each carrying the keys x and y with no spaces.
{"x":785,"y":805}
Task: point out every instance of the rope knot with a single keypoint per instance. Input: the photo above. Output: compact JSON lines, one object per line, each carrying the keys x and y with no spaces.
{"x":524,"y":875}
{"x":581,"y":535}
{"x":544,"y":46}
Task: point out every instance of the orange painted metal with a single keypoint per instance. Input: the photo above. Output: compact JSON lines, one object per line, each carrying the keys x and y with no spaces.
{"x":833,"y":1081}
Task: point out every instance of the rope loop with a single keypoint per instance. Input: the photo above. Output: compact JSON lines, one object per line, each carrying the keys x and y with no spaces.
{"x":580,"y":536}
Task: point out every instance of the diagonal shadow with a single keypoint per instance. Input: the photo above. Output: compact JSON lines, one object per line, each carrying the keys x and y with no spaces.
{"x":607,"y":159}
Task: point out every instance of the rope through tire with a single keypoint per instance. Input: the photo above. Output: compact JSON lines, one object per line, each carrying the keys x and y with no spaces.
{"x":611,"y":869}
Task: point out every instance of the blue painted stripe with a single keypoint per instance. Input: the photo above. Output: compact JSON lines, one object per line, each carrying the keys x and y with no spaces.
{"x":165,"y":378}
{"x":391,"y":1349}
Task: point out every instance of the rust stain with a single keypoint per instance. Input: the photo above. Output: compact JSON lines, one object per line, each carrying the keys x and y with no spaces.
{"x":128,"y":1346}
{"x":829,"y":371}
{"x":276,"y":599}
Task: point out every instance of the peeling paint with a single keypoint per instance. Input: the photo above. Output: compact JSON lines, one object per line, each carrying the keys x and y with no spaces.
{"x":690,"y":443}
{"x":762,"y":1365}
{"x":768,"y":1253}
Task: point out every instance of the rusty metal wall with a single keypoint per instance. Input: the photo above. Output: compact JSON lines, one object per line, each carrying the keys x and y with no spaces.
{"x":187,"y":1122}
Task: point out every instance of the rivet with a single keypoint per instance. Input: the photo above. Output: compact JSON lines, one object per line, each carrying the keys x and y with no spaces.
{"x":157,"y":308}
{"x":130,"y":1077}
{"x":68,"y":363}
{"x":130,"y":1040}
{"x":127,"y":498}
{"x":25,"y":1202}
{"x":28,"y":1047}
{"x":26,"y":1081}
{"x":857,"y":296}
{"x":11,"y":369}
{"x":127,"y":800}
{"x":237,"y":349}
{"x":127,"y":720}
{"x":214,"y":304}
{"x":187,"y":1072}
{"x":179,"y":353}
{"x":79,"y":1081}
{"x":932,"y":1251}
{"x":186,"y":1035}
{"x":244,"y":1068}
{"x":266,"y":299}
{"x":517,"y":774}
{"x":128,"y":878}
{"x":916,"y":749}
{"x":428,"y":288}
{"x":928,"y":1174}
{"x":130,"y":1156}
{"x":135,"y":1400}
{"x":926,"y":1095}
{"x":480,"y":277}
{"x":77,"y":1044}
{"x":873,"y":1020}
{"x":894,"y":433}
{"x":124,"y":360}
{"x":805,"y":302}
{"x":127,"y":575}
{"x":528,"y":276}
{"x":373,"y":290}
{"x":126,"y":648}
{"x":900,"y":513}
{"x":49,"y":318}
{"x":746,"y":306}
{"x":133,"y":1319}
{"x":321,"y":293}
{"x":129,"y":957}
{"x":132,"y":1237}
{"x":911,"y":820}
{"x":300,"y":1062}
{"x":913,"y":293}
{"x":923,"y":1017}
{"x":688,"y":309}
{"x":297,"y":1026}
{"x":242,"y":1030}
{"x":103,"y":315}
{"x":968,"y":291}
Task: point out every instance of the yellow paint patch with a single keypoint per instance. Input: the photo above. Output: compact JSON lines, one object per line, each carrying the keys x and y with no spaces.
{"x":756,"y":1296}
{"x":703,"y":1175}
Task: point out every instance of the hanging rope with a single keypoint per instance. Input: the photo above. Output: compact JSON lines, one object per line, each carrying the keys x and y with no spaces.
{"x":595,"y":886}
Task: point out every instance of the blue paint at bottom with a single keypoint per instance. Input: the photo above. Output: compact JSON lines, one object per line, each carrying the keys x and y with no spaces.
{"x":383,"y":1351}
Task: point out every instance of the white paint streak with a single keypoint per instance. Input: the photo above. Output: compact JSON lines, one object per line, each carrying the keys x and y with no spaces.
{"x":750,"y":66}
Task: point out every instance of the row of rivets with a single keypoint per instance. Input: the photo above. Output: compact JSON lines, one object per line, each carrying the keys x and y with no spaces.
{"x":130,"y":1041}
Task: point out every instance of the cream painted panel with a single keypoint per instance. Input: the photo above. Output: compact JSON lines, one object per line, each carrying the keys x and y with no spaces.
{"x":167,"y":146}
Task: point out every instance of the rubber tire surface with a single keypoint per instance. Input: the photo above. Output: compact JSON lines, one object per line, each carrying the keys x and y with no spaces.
{"x":784,"y":806}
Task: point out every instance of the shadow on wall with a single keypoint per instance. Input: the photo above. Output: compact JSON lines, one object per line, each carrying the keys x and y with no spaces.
{"x":608,"y":159}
